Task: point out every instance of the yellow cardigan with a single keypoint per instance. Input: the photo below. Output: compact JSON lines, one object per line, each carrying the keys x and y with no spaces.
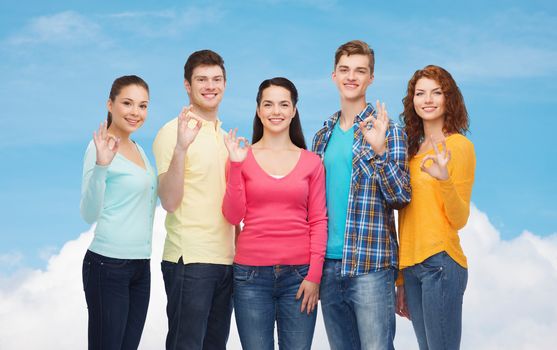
{"x":438,"y":209}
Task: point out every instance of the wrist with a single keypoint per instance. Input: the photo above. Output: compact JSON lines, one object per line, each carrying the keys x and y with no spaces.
{"x":181,"y":149}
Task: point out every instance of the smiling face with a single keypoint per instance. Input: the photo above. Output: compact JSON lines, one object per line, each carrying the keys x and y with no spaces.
{"x":128,"y":109}
{"x":276,"y":109}
{"x":429,"y":100}
{"x":352,"y":76}
{"x":206,"y":87}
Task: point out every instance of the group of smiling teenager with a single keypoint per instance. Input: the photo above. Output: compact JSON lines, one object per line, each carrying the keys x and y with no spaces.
{"x":316,"y":226}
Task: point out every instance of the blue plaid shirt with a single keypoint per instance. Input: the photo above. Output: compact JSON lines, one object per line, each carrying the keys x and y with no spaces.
{"x":378,"y":185}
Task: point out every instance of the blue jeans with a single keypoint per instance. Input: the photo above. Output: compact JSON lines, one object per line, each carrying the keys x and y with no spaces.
{"x":265,"y":294}
{"x":117,"y":294}
{"x":359,"y":312}
{"x":199,"y":305}
{"x":434,"y":292}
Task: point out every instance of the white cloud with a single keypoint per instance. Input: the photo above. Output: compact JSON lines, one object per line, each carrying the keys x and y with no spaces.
{"x":60,"y":29}
{"x":508,"y":304}
{"x":11,"y":259}
{"x":165,"y":23}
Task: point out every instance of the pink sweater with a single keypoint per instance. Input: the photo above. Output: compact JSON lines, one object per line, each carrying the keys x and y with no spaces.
{"x":285,"y":220}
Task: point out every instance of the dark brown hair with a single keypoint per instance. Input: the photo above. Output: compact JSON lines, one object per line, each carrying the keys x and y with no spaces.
{"x":295,"y":129}
{"x":121,"y":83}
{"x":356,"y":47}
{"x":203,"y":58}
{"x":456,"y":115}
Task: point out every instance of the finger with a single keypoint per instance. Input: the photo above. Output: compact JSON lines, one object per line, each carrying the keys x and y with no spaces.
{"x":198,"y":126}
{"x":305,"y":303}
{"x":116,"y":145}
{"x":300,"y":292}
{"x":377,"y":108}
{"x":424,"y":161}
{"x":245,"y":141}
{"x":448,"y":155}
{"x":434,"y":145}
{"x":444,"y":143}
{"x":192,"y":115}
{"x":103,"y":130}
{"x":385,"y":113}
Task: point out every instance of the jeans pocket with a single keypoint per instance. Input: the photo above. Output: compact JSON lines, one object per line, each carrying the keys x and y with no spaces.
{"x":114,"y":263}
{"x":301,"y":271}
{"x":243,"y":273}
{"x":85,"y":270}
{"x":434,"y":263}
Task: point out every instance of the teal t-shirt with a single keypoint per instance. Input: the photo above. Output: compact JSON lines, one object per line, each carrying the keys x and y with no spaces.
{"x":338,"y":167}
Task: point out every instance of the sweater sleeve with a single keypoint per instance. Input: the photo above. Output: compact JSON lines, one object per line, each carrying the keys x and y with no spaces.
{"x":317,"y":219}
{"x":392,"y":168}
{"x":93,"y":186}
{"x":234,"y":202}
{"x":456,"y":191}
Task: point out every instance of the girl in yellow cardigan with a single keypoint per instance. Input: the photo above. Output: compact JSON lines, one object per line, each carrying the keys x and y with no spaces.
{"x":442,"y":163}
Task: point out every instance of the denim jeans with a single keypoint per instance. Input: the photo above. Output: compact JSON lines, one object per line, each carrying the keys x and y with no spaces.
{"x":265,"y":294}
{"x":117,"y":294}
{"x":359,"y":312}
{"x":434,"y":292}
{"x":199,"y":305}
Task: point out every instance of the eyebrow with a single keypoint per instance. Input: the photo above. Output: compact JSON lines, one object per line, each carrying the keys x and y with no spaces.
{"x":437,"y":88}
{"x":206,"y":76}
{"x":283,"y":101}
{"x":130,"y":99}
{"x":360,"y":67}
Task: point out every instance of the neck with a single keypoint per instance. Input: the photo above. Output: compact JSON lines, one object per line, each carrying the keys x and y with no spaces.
{"x":434,"y":128}
{"x":208,"y":115}
{"x":276,"y":141}
{"x":349,"y":110}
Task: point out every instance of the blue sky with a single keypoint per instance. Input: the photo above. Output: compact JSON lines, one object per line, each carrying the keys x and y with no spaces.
{"x":60,"y":57}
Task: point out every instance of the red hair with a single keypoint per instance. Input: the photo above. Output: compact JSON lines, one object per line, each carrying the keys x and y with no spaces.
{"x":456,"y":115}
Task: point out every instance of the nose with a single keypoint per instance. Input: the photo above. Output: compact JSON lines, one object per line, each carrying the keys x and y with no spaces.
{"x":135,"y":110}
{"x":428,"y":98}
{"x":350,"y":75}
{"x":276,"y":110}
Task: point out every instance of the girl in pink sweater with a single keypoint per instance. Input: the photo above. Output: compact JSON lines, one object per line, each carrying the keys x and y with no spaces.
{"x":278,"y":189}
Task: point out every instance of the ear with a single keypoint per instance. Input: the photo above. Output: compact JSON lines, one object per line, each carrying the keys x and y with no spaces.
{"x":187,"y":85}
{"x":109,"y":105}
{"x":294,"y":114}
{"x":372,"y":78}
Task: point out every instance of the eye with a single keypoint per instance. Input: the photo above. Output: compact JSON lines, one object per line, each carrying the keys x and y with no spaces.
{"x":419,"y":93}
{"x":127,"y":103}
{"x":285,"y":105}
{"x":143,"y":106}
{"x":361,"y":71}
{"x":438,"y":93}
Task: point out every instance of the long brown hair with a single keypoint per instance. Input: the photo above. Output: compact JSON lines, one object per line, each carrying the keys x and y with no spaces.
{"x":456,"y":115}
{"x":121,"y":83}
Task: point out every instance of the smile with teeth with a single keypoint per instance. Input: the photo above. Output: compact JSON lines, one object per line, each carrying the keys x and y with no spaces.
{"x":132,"y":122}
{"x":209,"y":95}
{"x":429,"y":109}
{"x":276,"y":120}
{"x":351,"y":86}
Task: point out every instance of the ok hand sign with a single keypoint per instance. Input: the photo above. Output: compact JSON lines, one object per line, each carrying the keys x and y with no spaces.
{"x":187,"y":135}
{"x":438,"y":168}
{"x":236,"y":151}
{"x":106,"y":145}
{"x":374,"y":129}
